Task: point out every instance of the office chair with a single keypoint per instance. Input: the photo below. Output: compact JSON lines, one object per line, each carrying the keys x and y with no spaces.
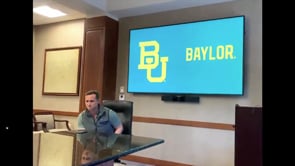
{"x":124,"y":110}
{"x":48,"y":118}
{"x":37,"y":124}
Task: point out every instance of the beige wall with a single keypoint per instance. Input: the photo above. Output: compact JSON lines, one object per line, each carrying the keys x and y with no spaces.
{"x":66,"y":34}
{"x":196,"y":146}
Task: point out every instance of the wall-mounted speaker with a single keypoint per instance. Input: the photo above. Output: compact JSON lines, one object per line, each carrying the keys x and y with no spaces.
{"x":181,"y":98}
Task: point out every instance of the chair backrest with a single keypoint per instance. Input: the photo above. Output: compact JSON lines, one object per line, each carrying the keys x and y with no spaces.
{"x":47,"y":117}
{"x":124,"y":110}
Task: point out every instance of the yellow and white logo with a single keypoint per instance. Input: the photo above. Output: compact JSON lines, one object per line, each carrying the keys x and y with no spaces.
{"x":149,"y":60}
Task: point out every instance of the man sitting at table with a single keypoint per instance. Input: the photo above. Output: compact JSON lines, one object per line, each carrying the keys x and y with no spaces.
{"x":98,"y":118}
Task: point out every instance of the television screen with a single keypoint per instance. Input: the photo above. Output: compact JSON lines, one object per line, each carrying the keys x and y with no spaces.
{"x":203,"y":57}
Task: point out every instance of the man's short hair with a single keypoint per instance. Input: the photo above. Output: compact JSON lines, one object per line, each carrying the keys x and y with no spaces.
{"x":91,"y":92}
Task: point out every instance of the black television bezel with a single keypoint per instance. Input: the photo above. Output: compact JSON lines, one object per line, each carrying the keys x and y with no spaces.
{"x":179,"y":94}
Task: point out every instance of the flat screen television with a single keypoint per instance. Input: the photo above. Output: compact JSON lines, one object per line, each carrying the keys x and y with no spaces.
{"x":201,"y":57}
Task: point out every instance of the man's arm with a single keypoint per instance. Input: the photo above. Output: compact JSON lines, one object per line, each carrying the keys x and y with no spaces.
{"x":119,"y":129}
{"x":116,"y":122}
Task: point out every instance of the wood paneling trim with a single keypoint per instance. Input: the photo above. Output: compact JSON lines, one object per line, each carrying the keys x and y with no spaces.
{"x":152,"y":161}
{"x":58,"y":112}
{"x":184,"y":123}
{"x":210,"y":125}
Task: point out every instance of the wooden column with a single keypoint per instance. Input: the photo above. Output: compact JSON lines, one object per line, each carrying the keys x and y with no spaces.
{"x":99,"y":62}
{"x":248,"y":136}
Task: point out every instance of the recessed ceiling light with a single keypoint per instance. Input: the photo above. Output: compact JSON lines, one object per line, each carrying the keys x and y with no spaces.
{"x":48,"y":12}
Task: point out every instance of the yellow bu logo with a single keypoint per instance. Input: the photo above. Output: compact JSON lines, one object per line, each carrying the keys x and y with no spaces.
{"x":149,"y":60}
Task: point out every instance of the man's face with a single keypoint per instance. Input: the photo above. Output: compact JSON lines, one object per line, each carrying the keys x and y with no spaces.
{"x":91,"y":102}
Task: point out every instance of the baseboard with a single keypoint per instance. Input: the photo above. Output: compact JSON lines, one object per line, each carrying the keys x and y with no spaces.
{"x":152,"y":161}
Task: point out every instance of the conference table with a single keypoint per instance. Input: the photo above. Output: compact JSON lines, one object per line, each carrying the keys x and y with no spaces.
{"x":81,"y":148}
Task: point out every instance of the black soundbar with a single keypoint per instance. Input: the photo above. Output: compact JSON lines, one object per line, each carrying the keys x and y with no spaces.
{"x":181,"y":98}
